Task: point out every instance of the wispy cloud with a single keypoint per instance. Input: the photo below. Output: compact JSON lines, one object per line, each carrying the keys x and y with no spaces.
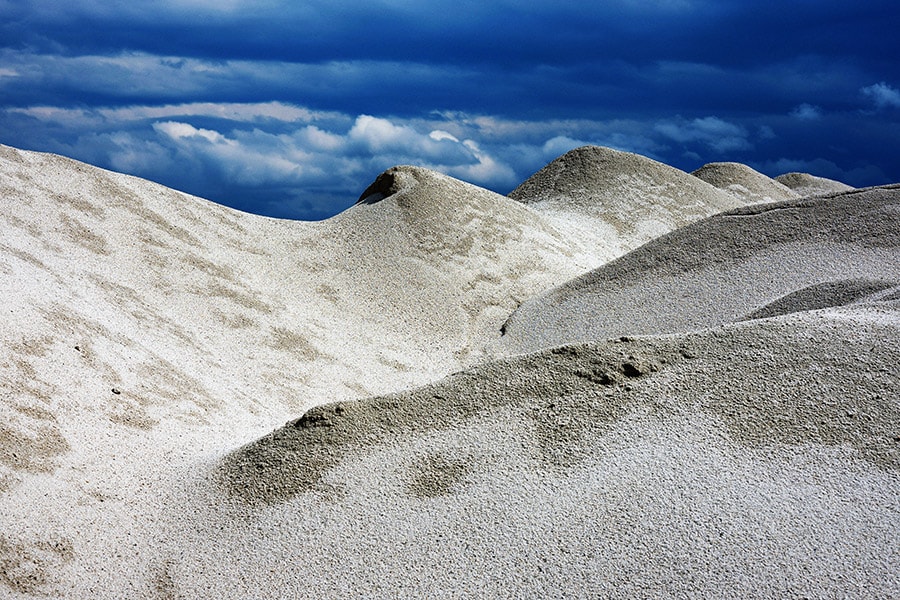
{"x":883,"y":95}
{"x":807,"y":112}
{"x":716,"y":133}
{"x":254,"y":112}
{"x":283,"y":145}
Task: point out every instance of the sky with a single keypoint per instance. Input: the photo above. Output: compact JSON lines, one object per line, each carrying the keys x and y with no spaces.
{"x":291,"y":108}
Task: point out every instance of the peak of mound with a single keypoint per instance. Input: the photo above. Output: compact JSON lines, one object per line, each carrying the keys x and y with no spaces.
{"x":613,"y":201}
{"x":592,"y":175}
{"x":445,"y":258}
{"x":744,"y":183}
{"x":585,"y":169}
{"x":421,"y":193}
{"x":812,"y":185}
{"x":723,"y":268}
{"x":438,"y":215}
{"x":405,"y":177}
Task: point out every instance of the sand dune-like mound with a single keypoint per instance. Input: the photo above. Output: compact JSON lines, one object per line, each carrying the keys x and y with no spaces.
{"x":142,"y":278}
{"x":444,"y":260}
{"x":612,"y":202}
{"x":158,"y":294}
{"x":744,"y":183}
{"x":720,"y":270}
{"x":625,"y":468}
{"x":811,"y":185}
{"x":154,"y":344}
{"x":144,"y":327}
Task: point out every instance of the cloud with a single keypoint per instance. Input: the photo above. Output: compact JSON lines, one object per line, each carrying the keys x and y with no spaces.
{"x":618,"y":140}
{"x":883,"y":95}
{"x":131,"y":154}
{"x":68,"y":117}
{"x":244,"y":158}
{"x":183,"y":131}
{"x":252,"y":112}
{"x":716,"y":133}
{"x":314,"y":157}
{"x":205,"y":147}
{"x":765,"y":132}
{"x":807,"y":112}
{"x":131,"y":77}
{"x":284,"y":159}
{"x":487,"y":170}
{"x":123,"y":75}
{"x":377,"y":135}
{"x":439,"y":135}
{"x":244,"y":112}
{"x":319,"y":140}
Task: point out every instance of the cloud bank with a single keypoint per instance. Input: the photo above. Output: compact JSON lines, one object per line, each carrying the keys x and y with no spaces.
{"x":291,"y":109}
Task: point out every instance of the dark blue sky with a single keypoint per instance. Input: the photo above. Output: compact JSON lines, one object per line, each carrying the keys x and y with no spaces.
{"x":292,"y":108}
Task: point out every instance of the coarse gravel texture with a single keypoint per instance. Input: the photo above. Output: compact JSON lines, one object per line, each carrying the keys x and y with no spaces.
{"x":144,"y":330}
{"x":745,"y":183}
{"x":739,"y":461}
{"x":197,"y":402}
{"x":612,"y":202}
{"x":812,"y":185}
{"x":723,"y":269}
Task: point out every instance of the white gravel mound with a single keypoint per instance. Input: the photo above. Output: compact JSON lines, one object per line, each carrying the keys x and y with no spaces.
{"x":611,"y":202}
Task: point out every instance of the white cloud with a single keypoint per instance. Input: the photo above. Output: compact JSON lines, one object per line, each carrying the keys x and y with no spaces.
{"x":718,"y":134}
{"x":244,"y":112}
{"x":246,"y":158}
{"x":8,"y":72}
{"x":408,"y":143}
{"x":315,"y":156}
{"x":379,"y":134}
{"x":276,"y":144}
{"x":438,"y":135}
{"x":132,"y":155}
{"x":487,"y":171}
{"x":883,"y":95}
{"x":71,"y":117}
{"x":560,"y":144}
{"x":276,"y":112}
{"x":181,"y":131}
{"x":318,"y":140}
{"x":807,"y":112}
{"x":305,"y":154}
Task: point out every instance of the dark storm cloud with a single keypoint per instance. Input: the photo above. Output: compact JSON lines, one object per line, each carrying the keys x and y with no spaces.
{"x":291,"y":108}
